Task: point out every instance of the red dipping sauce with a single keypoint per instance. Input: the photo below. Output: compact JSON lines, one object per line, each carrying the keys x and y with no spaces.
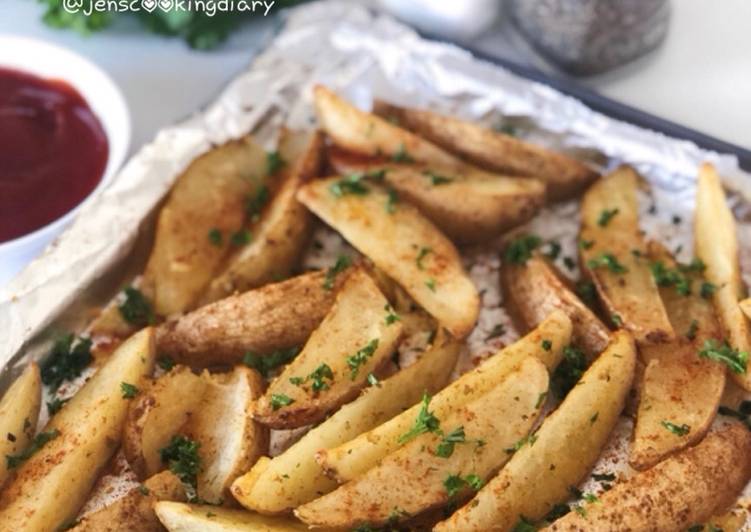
{"x":53,"y":151}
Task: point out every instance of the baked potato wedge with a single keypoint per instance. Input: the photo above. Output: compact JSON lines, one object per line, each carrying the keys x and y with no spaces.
{"x":276,"y":316}
{"x":51,"y":485}
{"x":355,"y":339}
{"x":563,"y":176}
{"x":468,"y":205}
{"x":207,"y":204}
{"x":157,"y":414}
{"x":566,"y":446}
{"x":429,"y":473}
{"x":230,"y":440}
{"x":19,"y":413}
{"x":680,"y":391}
{"x":535,"y":289}
{"x":353,"y":458}
{"x":179,"y":517}
{"x":286,"y":481}
{"x":612,"y":253}
{"x":716,"y":245}
{"x":278,"y":239}
{"x":134,"y":511}
{"x":683,"y":490}
{"x":367,"y":134}
{"x":402,"y":243}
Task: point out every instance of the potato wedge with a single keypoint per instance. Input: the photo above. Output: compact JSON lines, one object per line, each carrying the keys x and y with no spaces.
{"x":230,"y":440}
{"x":52,"y":485}
{"x":206,"y":206}
{"x":680,"y":391}
{"x":685,"y":489}
{"x":402,"y":243}
{"x":355,"y":457}
{"x":279,"y":238}
{"x":564,"y":176}
{"x":499,"y":418}
{"x":354,"y":339}
{"x":469,"y":206}
{"x":566,"y":446}
{"x":294,"y":477}
{"x":275,"y":316}
{"x":156,"y":415}
{"x":19,"y":412}
{"x":534,"y":289}
{"x":612,"y":255}
{"x":368,"y":134}
{"x":178,"y":517}
{"x":716,"y":245}
{"x":134,"y":510}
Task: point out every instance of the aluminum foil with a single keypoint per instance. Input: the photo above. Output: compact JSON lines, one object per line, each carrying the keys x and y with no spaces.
{"x":362,"y":55}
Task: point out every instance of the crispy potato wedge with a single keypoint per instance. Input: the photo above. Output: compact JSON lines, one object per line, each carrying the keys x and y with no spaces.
{"x":501,"y":417}
{"x":680,"y":391}
{"x":293,"y":478}
{"x":367,"y":134}
{"x":566,"y":446}
{"x":685,"y":489}
{"x":52,"y":485}
{"x":275,"y":316}
{"x":611,"y":254}
{"x":717,"y":246}
{"x":134,"y":511}
{"x":564,"y":176}
{"x":157,"y":414}
{"x":231,"y":441}
{"x":355,"y":457}
{"x":19,"y":413}
{"x":468,"y":205}
{"x":178,"y":517}
{"x":405,"y":245}
{"x":354,"y":340}
{"x":535,"y":289}
{"x":280,"y":236}
{"x":746,"y":307}
{"x":208,"y":196}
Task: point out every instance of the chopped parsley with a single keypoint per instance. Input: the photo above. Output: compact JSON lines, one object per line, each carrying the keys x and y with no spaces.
{"x":254,"y":204}
{"x":606,"y":215}
{"x":667,"y":277}
{"x":278,"y":400}
{"x":425,"y":422}
{"x":391,"y":316}
{"x":39,"y":441}
{"x":616,"y":319}
{"x":240,"y":238}
{"x":586,"y":244}
{"x":528,"y":439}
{"x":454,"y":483}
{"x":587,"y":292}
{"x":424,"y":252}
{"x":401,"y":156}
{"x":519,"y":250}
{"x":55,"y":405}
{"x":297,"y":381}
{"x":128,"y":391}
{"x":430,"y":283}
{"x":373,"y":380}
{"x":507,"y":129}
{"x":265,"y":363}
{"x":446,"y":448}
{"x":182,"y":458}
{"x":696,"y":265}
{"x":274,"y":162}
{"x":547,"y":345}
{"x":609,"y":261}
{"x":352,"y":184}
{"x":165,"y":362}
{"x":361,"y":357}
{"x":391,"y":201}
{"x":437,"y":179}
{"x":143,"y":490}
{"x":496,"y":331}
{"x":66,"y":361}
{"x":215,"y":236}
{"x":678,"y":430}
{"x":707,"y":290}
{"x":136,"y":309}
{"x":342,"y":263}
{"x":318,"y":375}
{"x":541,"y":399}
{"x":569,"y":371}
{"x":524,"y":525}
{"x":732,"y":358}
{"x":554,"y":249}
{"x":692,"y":330}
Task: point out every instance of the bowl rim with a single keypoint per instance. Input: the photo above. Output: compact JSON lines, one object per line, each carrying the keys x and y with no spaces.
{"x":115,"y":112}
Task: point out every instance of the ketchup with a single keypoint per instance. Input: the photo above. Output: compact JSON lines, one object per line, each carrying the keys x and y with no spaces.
{"x":53,"y":151}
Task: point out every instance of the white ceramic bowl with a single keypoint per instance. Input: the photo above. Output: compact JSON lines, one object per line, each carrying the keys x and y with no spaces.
{"x":105,"y":99}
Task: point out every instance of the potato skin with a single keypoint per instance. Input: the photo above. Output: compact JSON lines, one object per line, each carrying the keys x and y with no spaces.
{"x":19,"y":412}
{"x":685,"y":489}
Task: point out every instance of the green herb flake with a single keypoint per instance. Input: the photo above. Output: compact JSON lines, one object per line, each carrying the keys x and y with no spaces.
{"x":373,"y":380}
{"x":401,"y":156}
{"x":524,"y":525}
{"x":240,"y":238}
{"x":391,"y":316}
{"x":692,"y":330}
{"x":453,"y":485}
{"x":446,"y":447}
{"x":528,"y":439}
{"x":136,"y":309}
{"x":424,"y":252}
{"x":55,"y":405}
{"x":496,"y":331}
{"x":318,"y":375}
{"x":587,"y":292}
{"x":254,"y":204}
{"x":606,"y":215}
{"x":39,"y":441}
{"x":474,"y":481}
{"x":547,"y":345}
{"x":678,"y":430}
{"x":182,"y":458}
{"x":591,"y":498}
{"x":616,"y":319}
{"x":425,"y":422}
{"x":278,"y":400}
{"x":430,"y":283}
{"x":732,"y":358}
{"x":66,"y":360}
{"x":165,"y":362}
{"x":594,"y":417}
{"x":143,"y":490}
{"x":296,"y":381}
{"x":541,"y":400}
{"x":349,"y":185}
{"x":586,"y":244}
{"x":128,"y":391}
{"x":554,"y":249}
{"x":696,"y":266}
{"x":437,"y":179}
{"x":361,"y":357}
{"x":274,"y":162}
{"x":667,"y":277}
{"x":569,"y":371}
{"x":342,"y":263}
{"x":609,"y":261}
{"x":265,"y":363}
{"x":707,"y":290}
{"x":519,"y":250}
{"x":391,"y":201}
{"x":215,"y":236}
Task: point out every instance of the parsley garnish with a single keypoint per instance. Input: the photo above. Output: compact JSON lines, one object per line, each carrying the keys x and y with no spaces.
{"x":215,"y":236}
{"x":143,"y":490}
{"x":519,"y":251}
{"x":569,"y":371}
{"x":297,"y":381}
{"x":606,"y":215}
{"x":182,"y":458}
{"x":425,"y":421}
{"x":165,"y":362}
{"x":665,"y":277}
{"x":553,"y":251}
{"x":541,"y":399}
{"x":351,"y":184}
{"x":678,"y":430}
{"x":55,"y":405}
{"x":66,"y":361}
{"x":254,"y":204}
{"x":391,"y":201}
{"x":496,"y":331}
{"x":265,"y":363}
{"x":278,"y":400}
{"x":373,"y":380}
{"x":696,"y":265}
{"x":692,"y":330}
{"x":136,"y":309}
{"x":401,"y":156}
{"x":39,"y":441}
{"x":732,"y":358}
{"x":274,"y":162}
{"x":128,"y":390}
{"x":609,"y":261}
{"x":528,"y":439}
{"x":446,"y":448}
{"x":424,"y":252}
{"x":391,"y":316}
{"x":361,"y":357}
{"x":454,"y":483}
{"x":547,"y":345}
{"x":523,"y":525}
{"x":437,"y":179}
{"x":586,"y":244}
{"x":707,"y":290}
{"x":430,"y":283}
{"x":240,"y":238}
{"x":616,"y":319}
{"x":342,"y":263}
{"x":321,"y":372}
{"x":587,"y":292}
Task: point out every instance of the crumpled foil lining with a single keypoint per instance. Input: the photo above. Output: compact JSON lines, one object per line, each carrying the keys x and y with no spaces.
{"x":362,"y":55}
